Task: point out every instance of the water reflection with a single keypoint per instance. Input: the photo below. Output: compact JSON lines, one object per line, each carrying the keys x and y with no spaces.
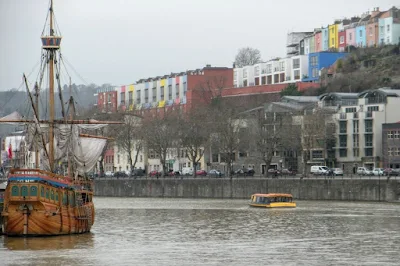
{"x":84,"y":241}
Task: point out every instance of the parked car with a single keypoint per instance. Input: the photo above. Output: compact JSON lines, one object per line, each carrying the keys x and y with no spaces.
{"x":337,"y":171}
{"x":201,"y":172}
{"x":363,"y":171}
{"x":391,"y":172}
{"x":215,"y":173}
{"x":244,"y":172}
{"x":109,"y":173}
{"x":155,"y":173}
{"x":319,"y":170}
{"x":120,"y":174}
{"x":377,"y":171}
{"x":288,"y":172}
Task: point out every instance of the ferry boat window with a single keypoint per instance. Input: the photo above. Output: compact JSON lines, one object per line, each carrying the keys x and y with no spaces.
{"x":52,"y":194}
{"x":33,"y":192}
{"x":47,"y":193}
{"x":42,"y":192}
{"x":24,"y":191}
{"x":57,"y":196}
{"x":15,"y":191}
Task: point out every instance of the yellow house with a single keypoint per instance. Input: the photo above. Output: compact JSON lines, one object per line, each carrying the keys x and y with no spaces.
{"x":333,"y":36}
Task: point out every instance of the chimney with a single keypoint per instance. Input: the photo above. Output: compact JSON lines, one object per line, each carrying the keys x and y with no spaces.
{"x":233,"y":65}
{"x":375,"y":12}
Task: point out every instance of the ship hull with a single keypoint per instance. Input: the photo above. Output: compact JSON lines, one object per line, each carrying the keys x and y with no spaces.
{"x":33,"y":206}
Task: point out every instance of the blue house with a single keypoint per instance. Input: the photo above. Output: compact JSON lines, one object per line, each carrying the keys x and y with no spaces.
{"x":361,"y":36}
{"x":318,"y":61}
{"x":325,"y":39}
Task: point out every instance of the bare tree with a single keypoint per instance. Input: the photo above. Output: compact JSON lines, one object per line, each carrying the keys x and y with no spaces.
{"x":247,"y":56}
{"x":271,"y":133}
{"x":226,"y":128}
{"x":129,"y":138}
{"x":317,"y":132}
{"x":194,"y":135}
{"x":160,"y":134}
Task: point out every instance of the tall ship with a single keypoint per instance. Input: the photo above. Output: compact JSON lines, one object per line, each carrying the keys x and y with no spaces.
{"x":55,"y":197}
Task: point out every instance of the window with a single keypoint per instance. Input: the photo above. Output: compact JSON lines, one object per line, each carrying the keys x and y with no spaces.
{"x":350,"y":36}
{"x":333,"y":41}
{"x":361,"y":33}
{"x":161,"y":93}
{"x":343,"y":152}
{"x":356,"y":140}
{"x":169,"y":92}
{"x":356,"y":152}
{"x":373,"y":108}
{"x":369,"y":152}
{"x":390,"y":135}
{"x":343,"y":127}
{"x":341,"y":39}
{"x":390,"y":151}
{"x":351,"y":110}
{"x":269,"y":69}
{"x":368,"y":140}
{"x":343,"y":141}
{"x":177,"y":90}
{"x":315,"y":73}
{"x":138,"y":96}
{"x":146,"y":95}
{"x":118,"y":158}
{"x":397,"y":151}
{"x":396,"y":134}
{"x":257,"y":71}
{"x":154,"y":94}
{"x":130,"y":97}
{"x":122,"y":97}
{"x":141,"y":158}
{"x":244,"y":73}
{"x":382,"y":29}
{"x":317,"y":155}
{"x":184,"y":89}
{"x":370,"y":31}
{"x":314,"y":60}
{"x":368,"y":126}
{"x":296,"y":74}
{"x":388,"y":28}
{"x":296,"y":63}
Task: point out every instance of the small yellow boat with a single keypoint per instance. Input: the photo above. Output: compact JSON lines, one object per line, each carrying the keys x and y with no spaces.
{"x":272,"y":200}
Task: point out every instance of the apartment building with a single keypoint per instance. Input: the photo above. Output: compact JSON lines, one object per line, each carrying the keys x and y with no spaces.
{"x":277,"y":71}
{"x":359,"y":119}
{"x":318,"y":61}
{"x":391,"y":145}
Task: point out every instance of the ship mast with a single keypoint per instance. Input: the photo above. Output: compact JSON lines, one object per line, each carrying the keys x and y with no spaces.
{"x":51,"y":44}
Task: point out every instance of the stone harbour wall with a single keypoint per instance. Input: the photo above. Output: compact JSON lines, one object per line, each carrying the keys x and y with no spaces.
{"x":348,"y":190}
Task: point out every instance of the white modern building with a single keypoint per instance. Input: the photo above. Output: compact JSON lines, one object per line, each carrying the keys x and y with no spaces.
{"x":277,"y":71}
{"x":359,"y":125}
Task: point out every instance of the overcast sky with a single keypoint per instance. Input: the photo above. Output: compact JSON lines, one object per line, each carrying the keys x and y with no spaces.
{"x":119,"y":42}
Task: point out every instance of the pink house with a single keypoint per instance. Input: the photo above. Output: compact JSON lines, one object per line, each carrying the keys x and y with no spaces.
{"x":318,"y":42}
{"x":351,"y":37}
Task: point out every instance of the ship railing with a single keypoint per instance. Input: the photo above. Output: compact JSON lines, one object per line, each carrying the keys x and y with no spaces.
{"x":31,"y":172}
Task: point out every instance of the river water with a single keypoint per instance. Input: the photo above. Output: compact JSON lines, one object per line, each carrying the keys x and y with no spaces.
{"x":137,"y":231}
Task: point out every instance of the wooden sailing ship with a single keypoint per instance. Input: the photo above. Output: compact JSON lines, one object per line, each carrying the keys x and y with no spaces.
{"x":45,"y":201}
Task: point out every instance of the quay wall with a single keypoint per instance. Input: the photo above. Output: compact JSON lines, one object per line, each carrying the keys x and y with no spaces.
{"x":348,"y":190}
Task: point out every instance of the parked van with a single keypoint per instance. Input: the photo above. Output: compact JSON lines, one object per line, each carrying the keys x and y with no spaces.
{"x":319,"y":170}
{"x":187,"y":171}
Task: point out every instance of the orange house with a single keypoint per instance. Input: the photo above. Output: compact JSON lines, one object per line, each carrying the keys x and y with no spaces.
{"x":372,"y":28}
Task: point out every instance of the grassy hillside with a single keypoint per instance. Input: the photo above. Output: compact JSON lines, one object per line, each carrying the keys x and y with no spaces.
{"x":362,"y":69}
